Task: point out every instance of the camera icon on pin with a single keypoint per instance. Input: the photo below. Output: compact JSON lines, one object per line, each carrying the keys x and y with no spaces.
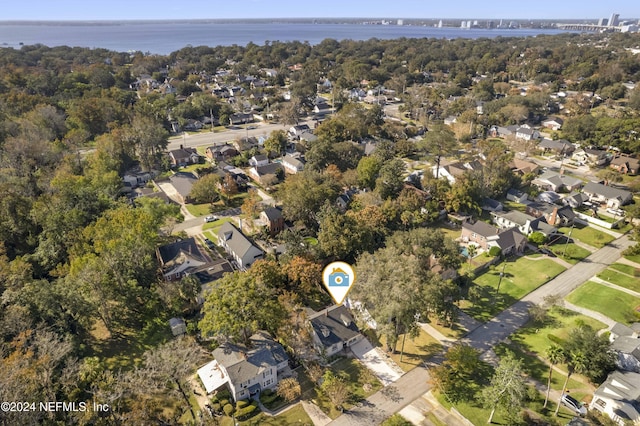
{"x":338,"y":278}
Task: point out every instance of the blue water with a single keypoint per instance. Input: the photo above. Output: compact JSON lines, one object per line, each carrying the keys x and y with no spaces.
{"x":164,"y":38}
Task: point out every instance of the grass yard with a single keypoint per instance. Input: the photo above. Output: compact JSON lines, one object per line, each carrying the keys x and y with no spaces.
{"x":621,"y":279}
{"x":589,"y":235}
{"x":293,"y":416}
{"x":520,"y":278}
{"x":574,"y":253}
{"x":633,"y":257}
{"x":512,"y":205}
{"x":626,"y":269}
{"x":415,"y":350}
{"x":215,"y":225}
{"x":199,"y":209}
{"x":619,"y":306}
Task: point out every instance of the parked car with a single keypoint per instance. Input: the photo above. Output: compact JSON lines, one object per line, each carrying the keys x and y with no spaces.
{"x":209,"y":243}
{"x":616,"y":212}
{"x":210,"y":218}
{"x":573,"y":404}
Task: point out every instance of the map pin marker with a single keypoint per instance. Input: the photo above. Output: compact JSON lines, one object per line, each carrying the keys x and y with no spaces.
{"x":338,"y":278}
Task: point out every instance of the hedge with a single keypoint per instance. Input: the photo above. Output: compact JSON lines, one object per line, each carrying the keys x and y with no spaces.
{"x":228,"y":409}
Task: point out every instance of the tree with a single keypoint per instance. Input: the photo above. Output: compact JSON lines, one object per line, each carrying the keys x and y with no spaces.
{"x":276,"y":142}
{"x":555,"y":355}
{"x":289,"y":389}
{"x":537,"y":238}
{"x":472,"y":250}
{"x":368,"y":169}
{"x":305,"y":274}
{"x":454,"y":376}
{"x":507,"y":390}
{"x":576,"y":363}
{"x":600,"y":360}
{"x":206,"y":189}
{"x":439,"y":142}
{"x":237,"y":306}
{"x":251,"y":205}
{"x":304,"y":193}
{"x":390,"y":178}
{"x":336,"y":388}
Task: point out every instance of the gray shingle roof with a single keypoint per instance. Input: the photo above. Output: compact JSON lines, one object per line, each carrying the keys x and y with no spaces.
{"x":174,"y":252}
{"x":608,"y":192}
{"x":235,"y":240}
{"x":334,"y":325}
{"x":272,"y":213}
{"x":481,"y":228}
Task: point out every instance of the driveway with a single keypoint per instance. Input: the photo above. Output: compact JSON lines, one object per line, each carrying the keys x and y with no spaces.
{"x":377,"y":361}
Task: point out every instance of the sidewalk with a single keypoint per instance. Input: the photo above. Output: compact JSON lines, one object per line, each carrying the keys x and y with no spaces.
{"x":615,"y":287}
{"x":592,"y":314}
{"x":626,"y":261}
{"x":318,"y":417}
{"x":429,"y":329}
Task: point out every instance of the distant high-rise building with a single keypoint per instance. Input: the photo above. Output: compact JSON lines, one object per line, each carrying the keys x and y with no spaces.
{"x":613,"y":20}
{"x":602,"y":22}
{"x":440,"y":23}
{"x":400,"y":22}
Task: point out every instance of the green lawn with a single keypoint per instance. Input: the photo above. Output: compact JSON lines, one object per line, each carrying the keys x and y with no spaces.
{"x":571,"y":252}
{"x":520,"y":278}
{"x":633,"y":257}
{"x":619,"y":306}
{"x":512,"y":205}
{"x":199,"y":209}
{"x":293,"y":416}
{"x":415,"y":350}
{"x":627,"y":269}
{"x":216,"y":224}
{"x":621,"y":279}
{"x":589,"y":235}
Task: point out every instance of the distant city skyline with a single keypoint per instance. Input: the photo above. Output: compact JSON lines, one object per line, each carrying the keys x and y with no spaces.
{"x":47,"y":10}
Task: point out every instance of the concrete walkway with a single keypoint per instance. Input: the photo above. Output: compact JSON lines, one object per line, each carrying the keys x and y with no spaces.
{"x":584,"y":246}
{"x":418,"y":412}
{"x":626,"y":261}
{"x":592,"y":314}
{"x":381,"y":365}
{"x":616,"y":287}
{"x":433,"y":332}
{"x":318,"y":417}
{"x":557,"y":260}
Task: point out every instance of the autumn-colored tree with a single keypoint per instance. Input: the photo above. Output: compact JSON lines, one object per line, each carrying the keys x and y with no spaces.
{"x":304,"y":274}
{"x":289,"y":389}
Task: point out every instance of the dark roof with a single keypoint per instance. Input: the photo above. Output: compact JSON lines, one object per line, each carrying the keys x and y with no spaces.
{"x":515,"y":192}
{"x":179,"y":251}
{"x":183,"y":153}
{"x":272,"y":213}
{"x":260,"y":157}
{"x":334,"y":325}
{"x":481,"y":228}
{"x":510,"y":238}
{"x":268,"y":169}
{"x":546,"y":208}
{"x":182,"y":182}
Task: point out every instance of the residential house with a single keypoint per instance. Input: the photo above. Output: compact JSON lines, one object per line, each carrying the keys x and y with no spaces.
{"x":525,"y":223}
{"x":238,"y":246}
{"x":485,"y":236}
{"x":322,"y":109}
{"x":625,"y":342}
{"x":522,"y":167}
{"x":553,"y":214}
{"x":559,"y":147}
{"x":272,"y":218}
{"x":450,"y":120}
{"x":246,"y":370}
{"x":575,"y":199}
{"x":547,"y":197}
{"x":591,"y":156}
{"x":308,"y":136}
{"x":245,"y":144}
{"x":180,"y":259}
{"x":455,"y":169}
{"x":491,"y":205}
{"x":619,"y":397}
{"x":259,"y":160}
{"x":626,"y":165}
{"x":297,"y":130}
{"x":500,"y":132}
{"x":221,"y":152}
{"x":182,"y":182}
{"x":178,"y":326}
{"x":602,"y":194}
{"x":184,"y":156}
{"x":333,"y":329}
{"x":527,"y":134}
{"x":292,"y":164}
{"x":517,"y":195}
{"x":552,"y":181}
{"x":553,"y":123}
{"x":240,"y":118}
{"x":267,"y":174}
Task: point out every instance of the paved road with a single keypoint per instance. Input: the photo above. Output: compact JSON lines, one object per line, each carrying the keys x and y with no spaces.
{"x":205,"y":138}
{"x":516,"y":316}
{"x":412,"y":385}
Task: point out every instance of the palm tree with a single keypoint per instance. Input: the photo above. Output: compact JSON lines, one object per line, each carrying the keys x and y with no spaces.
{"x":555,"y":355}
{"x":576,"y":363}
{"x":472,"y":250}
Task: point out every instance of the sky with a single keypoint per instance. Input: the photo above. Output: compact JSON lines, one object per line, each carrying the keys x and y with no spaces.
{"x":248,"y":9}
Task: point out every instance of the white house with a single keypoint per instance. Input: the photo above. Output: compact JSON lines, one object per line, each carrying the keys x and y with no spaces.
{"x":619,"y":397}
{"x":603,"y":194}
{"x":246,"y":370}
{"x":238,"y":246}
{"x":259,"y":160}
{"x":292,"y":165}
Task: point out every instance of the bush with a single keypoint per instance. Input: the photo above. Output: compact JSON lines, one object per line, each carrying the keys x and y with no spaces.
{"x":494,"y":251}
{"x":216,"y":407}
{"x":537,"y":238}
{"x":241,"y":404}
{"x":228,"y":409}
{"x":267,"y":392}
{"x":224,"y":402}
{"x":245,"y":412}
{"x":223,"y":394}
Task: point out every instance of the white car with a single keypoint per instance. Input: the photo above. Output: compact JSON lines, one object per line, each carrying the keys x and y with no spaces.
{"x":573,"y":404}
{"x":210,"y":218}
{"x":615,"y":212}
